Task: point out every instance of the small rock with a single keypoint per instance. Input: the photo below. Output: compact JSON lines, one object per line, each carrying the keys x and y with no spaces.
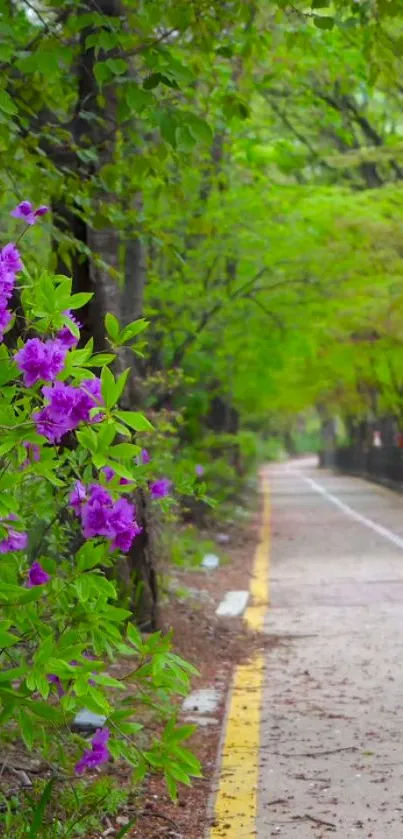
{"x":210,"y":561}
{"x":87,"y":721}
{"x":222,"y":538}
{"x":122,"y":820}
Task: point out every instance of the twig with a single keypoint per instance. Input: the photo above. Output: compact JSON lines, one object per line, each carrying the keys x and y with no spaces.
{"x":275,"y":801}
{"x":318,"y":754}
{"x":318,"y":821}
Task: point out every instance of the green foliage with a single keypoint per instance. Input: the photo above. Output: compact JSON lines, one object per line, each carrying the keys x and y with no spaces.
{"x":72,"y":811}
{"x":48,"y":629}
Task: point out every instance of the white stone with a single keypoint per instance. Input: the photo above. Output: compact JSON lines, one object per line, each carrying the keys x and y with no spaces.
{"x":204,"y":701}
{"x":210,"y":561}
{"x":233,"y":604}
{"x":88,"y":720}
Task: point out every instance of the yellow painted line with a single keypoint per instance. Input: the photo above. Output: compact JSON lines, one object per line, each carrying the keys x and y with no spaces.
{"x":260,"y":582}
{"x":235,"y":808}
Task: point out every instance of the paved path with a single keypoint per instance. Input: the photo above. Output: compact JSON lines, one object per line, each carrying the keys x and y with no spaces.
{"x":316,"y":745}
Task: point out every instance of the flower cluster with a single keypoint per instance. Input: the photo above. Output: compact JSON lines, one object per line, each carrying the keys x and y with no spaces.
{"x":15,"y":540}
{"x":102,"y":516}
{"x":66,"y":407}
{"x":10,"y":264}
{"x":40,"y":360}
{"x":98,"y":754}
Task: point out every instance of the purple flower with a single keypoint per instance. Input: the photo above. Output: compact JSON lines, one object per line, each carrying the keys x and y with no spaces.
{"x":25,"y":211}
{"x":40,"y":360}
{"x":49,"y":427}
{"x":54,"y":680}
{"x":37,"y":576}
{"x":66,"y":336}
{"x":88,"y":396}
{"x":5,"y":318}
{"x":78,"y":497}
{"x":15,"y":540}
{"x":41,"y":211}
{"x":95,"y":513}
{"x":99,"y":493}
{"x":108,"y":472}
{"x":7,"y":283}
{"x":122,"y":525}
{"x":102,"y":516}
{"x":144,"y":456}
{"x":199,"y":470}
{"x":68,"y":407}
{"x":10,"y":259}
{"x":98,"y":754}
{"x":160,"y":488}
{"x":55,"y":419}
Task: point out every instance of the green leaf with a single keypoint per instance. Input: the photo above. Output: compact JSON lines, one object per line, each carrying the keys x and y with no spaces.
{"x":135,"y":420}
{"x":6,"y":104}
{"x":168,"y":126}
{"x":226,"y":52}
{"x":171,"y":785}
{"x":88,"y":438}
{"x":27,"y":728}
{"x":322,"y":22}
{"x":89,"y":555}
{"x":124,"y":450}
{"x":77,"y":301}
{"x":185,"y":140}
{"x":112,"y":326}
{"x":108,"y":387}
{"x":118,"y":66}
{"x":100,"y":359}
{"x":39,"y":812}
{"x":7,"y":639}
{"x":152,"y":81}
{"x":121,"y":383}
{"x":102,"y":72}
{"x":44,"y":711}
{"x":137,"y":99}
{"x":107,"y":681}
{"x":199,"y":128}
{"x":115,"y":613}
{"x":132,"y":329}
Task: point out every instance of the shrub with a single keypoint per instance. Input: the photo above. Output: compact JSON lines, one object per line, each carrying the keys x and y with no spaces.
{"x":69,"y":463}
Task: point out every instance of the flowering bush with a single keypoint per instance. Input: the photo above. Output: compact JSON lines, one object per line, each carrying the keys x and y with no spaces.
{"x":69,"y":464}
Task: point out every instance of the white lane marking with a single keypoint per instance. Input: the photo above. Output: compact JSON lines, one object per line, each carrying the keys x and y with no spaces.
{"x":233,"y":604}
{"x":378,"y":528}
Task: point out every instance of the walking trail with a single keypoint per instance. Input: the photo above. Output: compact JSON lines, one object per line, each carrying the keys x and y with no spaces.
{"x":313,"y":741}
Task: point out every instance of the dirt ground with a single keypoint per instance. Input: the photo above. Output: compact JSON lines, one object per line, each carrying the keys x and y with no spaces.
{"x":214,"y":645}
